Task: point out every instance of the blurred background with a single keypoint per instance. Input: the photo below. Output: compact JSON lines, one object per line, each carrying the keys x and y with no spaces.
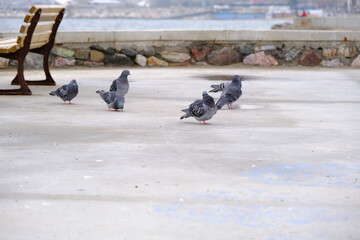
{"x":183,"y":14}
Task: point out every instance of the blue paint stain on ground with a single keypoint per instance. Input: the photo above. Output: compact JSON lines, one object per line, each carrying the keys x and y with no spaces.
{"x":220,"y":207}
{"x":216,"y":210}
{"x":223,"y":207}
{"x":331,"y":174}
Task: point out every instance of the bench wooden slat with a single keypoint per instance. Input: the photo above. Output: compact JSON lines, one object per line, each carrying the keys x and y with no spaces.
{"x":37,"y":44}
{"x":43,"y":27}
{"x":37,"y":37}
{"x":46,"y":17}
{"x":40,"y":37}
{"x":7,"y":40}
{"x":47,"y":8}
{"x":9,"y":47}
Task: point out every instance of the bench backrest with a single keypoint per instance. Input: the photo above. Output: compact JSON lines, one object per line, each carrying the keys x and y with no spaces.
{"x":46,"y":25}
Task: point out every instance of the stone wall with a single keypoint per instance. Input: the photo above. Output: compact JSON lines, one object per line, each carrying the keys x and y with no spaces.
{"x":218,"y":48}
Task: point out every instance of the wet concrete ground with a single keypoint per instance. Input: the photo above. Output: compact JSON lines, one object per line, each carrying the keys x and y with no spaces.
{"x":283,"y":165}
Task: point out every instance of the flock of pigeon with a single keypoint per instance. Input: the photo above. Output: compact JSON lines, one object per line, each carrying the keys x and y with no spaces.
{"x":202,"y":109}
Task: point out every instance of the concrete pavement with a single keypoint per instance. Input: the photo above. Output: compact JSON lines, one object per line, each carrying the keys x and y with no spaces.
{"x":284,"y":165}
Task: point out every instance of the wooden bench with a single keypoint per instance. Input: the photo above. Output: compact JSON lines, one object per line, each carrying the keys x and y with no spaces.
{"x":36,"y":35}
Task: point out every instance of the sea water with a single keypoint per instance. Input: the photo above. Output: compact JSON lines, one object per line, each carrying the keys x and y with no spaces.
{"x":89,"y":24}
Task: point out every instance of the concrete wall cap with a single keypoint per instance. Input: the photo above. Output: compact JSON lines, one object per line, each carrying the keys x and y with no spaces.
{"x":200,"y":35}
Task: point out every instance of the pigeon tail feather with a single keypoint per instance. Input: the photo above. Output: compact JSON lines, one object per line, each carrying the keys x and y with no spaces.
{"x":186,"y":115}
{"x":220,"y":103}
{"x":217,"y":87}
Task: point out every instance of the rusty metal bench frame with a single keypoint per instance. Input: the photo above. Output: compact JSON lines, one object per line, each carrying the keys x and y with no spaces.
{"x":20,"y":54}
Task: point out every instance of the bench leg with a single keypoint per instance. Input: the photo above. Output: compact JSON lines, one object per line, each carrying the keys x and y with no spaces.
{"x":24,"y":89}
{"x":48,"y":78}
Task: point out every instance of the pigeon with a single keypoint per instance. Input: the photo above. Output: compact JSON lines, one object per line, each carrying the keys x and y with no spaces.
{"x":231,"y":93}
{"x":67,"y":92}
{"x":219,"y":87}
{"x":113,"y":99}
{"x":121,"y":84}
{"x":202,"y":109}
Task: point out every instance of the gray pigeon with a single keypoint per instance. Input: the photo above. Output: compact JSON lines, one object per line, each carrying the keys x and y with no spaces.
{"x":231,"y":93}
{"x":113,"y":99}
{"x":202,"y":109}
{"x":121,"y":84}
{"x":67,"y":92}
{"x":219,"y":87}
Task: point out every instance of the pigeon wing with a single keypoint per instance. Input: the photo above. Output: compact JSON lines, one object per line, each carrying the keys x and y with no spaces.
{"x":113,"y":86}
{"x":197,"y":108}
{"x":62,"y":91}
{"x":72,"y":92}
{"x":108,"y":97}
{"x":232,"y":94}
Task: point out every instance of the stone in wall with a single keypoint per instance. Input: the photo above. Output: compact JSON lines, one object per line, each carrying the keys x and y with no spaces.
{"x":346,"y":61}
{"x":175,"y":57}
{"x":96,"y":56}
{"x":64,"y":62}
{"x":347,"y":50}
{"x":247,"y":49}
{"x":356,"y":62}
{"x":147,"y":51}
{"x":264,"y":48}
{"x":141,"y":60}
{"x":110,"y":51}
{"x":97,"y":48}
{"x":277,"y":54}
{"x":154,"y":61}
{"x":310,"y":58}
{"x":4,"y":62}
{"x":118,"y":59}
{"x":329,"y":52}
{"x":332,"y":63}
{"x":260,"y":59}
{"x":291,"y":53}
{"x":129,"y":52}
{"x":179,"y":48}
{"x":224,"y":56}
{"x":82,"y":54}
{"x":13,"y":63}
{"x":62,"y":52}
{"x":34,"y":60}
{"x":200,"y":53}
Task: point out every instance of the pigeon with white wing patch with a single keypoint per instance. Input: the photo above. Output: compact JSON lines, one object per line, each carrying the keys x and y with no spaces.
{"x":67,"y":92}
{"x":202,"y":109}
